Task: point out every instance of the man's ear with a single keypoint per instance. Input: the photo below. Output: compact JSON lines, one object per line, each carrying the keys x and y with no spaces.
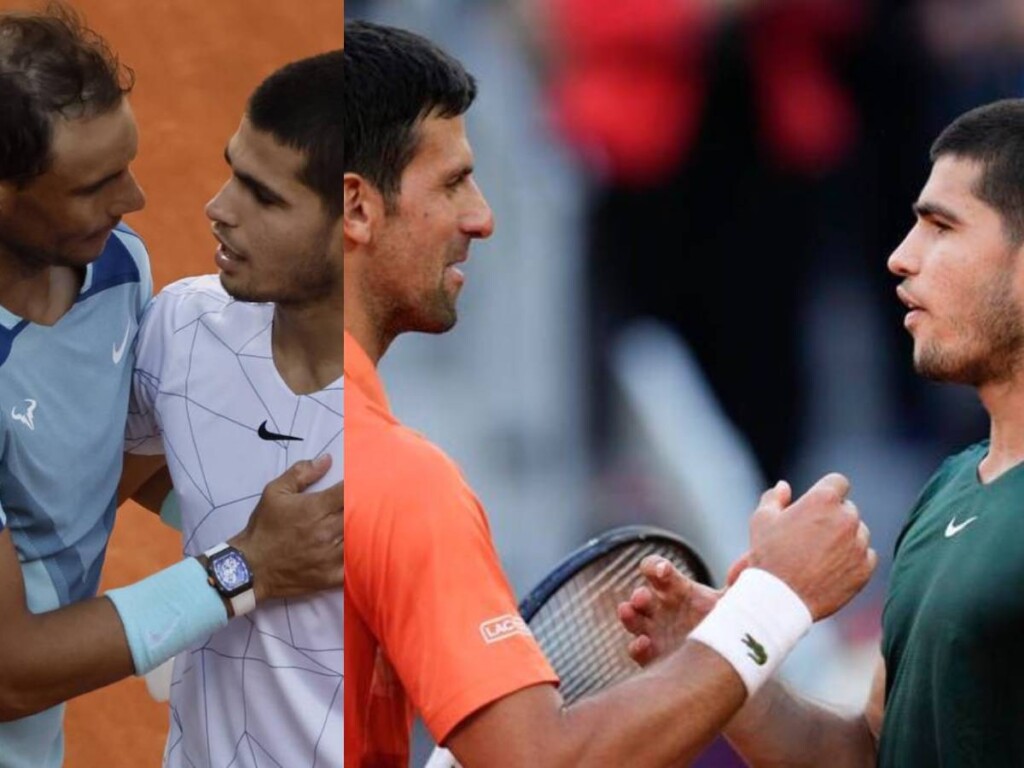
{"x":364,"y":209}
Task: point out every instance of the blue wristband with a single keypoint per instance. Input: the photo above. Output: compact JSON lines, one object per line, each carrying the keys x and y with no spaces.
{"x":167,"y":612}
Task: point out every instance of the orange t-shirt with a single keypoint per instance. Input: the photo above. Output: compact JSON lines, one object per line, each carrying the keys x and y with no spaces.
{"x":431,"y":624}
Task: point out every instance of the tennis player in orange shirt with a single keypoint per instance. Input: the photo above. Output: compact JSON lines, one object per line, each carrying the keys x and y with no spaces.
{"x":430,"y":619}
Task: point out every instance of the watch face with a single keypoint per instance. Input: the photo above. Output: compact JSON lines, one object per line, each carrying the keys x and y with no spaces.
{"x":231,"y":571}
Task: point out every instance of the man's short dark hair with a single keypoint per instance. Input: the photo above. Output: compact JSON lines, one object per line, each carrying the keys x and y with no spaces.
{"x":395,"y":79}
{"x":994,"y":136}
{"x":51,"y":65}
{"x":301,"y":105}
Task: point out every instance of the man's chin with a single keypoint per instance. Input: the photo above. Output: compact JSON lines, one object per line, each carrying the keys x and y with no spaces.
{"x":445,"y":321}
{"x":971,"y":374}
{"x":239,"y":292}
{"x":434,"y":325}
{"x":242,"y":292}
{"x":438,"y":330}
{"x":935,"y":367}
{"x":39,"y":258}
{"x":81,"y":259}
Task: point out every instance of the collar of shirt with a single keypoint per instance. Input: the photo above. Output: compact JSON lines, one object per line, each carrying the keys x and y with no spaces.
{"x":360,"y":371}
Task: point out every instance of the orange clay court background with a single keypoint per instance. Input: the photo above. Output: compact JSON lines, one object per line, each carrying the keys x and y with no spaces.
{"x":196,"y":61}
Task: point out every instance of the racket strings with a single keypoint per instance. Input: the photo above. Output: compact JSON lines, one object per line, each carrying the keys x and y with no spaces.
{"x":578,"y":627}
{"x":605,"y":659}
{"x":594,"y":660}
{"x":578,"y":594}
{"x":617,"y":578}
{"x":582,"y":637}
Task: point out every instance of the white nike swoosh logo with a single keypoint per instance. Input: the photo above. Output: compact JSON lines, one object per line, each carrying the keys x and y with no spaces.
{"x":953,"y":529}
{"x":119,"y":350}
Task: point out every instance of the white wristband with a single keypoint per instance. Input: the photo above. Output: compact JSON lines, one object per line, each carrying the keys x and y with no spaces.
{"x":755,"y":625}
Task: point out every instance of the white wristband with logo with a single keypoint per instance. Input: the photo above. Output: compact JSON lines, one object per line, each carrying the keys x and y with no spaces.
{"x":755,"y":625}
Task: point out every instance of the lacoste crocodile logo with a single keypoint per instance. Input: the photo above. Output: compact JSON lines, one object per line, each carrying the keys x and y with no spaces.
{"x":757,"y":652}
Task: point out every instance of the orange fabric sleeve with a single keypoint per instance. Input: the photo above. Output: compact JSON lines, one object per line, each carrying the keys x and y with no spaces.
{"x":423,"y":572}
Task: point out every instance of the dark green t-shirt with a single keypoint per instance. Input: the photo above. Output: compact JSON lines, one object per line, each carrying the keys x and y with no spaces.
{"x":953,"y":626}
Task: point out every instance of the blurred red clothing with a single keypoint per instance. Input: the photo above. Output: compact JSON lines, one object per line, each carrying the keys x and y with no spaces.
{"x":630,"y":79}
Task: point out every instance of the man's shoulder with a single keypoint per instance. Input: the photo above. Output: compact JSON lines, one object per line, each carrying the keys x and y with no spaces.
{"x":194,"y":320}
{"x":126,"y":244}
{"x":124,"y":260}
{"x":202,"y":292}
{"x":203,"y":298}
{"x":398,"y":451}
{"x":966,"y":460}
{"x":125,"y":237}
{"x":955,"y":470}
{"x":405,"y":501}
{"x":974,"y":452}
{"x":392,"y":467}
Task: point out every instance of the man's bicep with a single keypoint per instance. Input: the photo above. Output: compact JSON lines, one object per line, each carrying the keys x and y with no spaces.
{"x":143,"y":432}
{"x":512,"y":731}
{"x":12,"y":584}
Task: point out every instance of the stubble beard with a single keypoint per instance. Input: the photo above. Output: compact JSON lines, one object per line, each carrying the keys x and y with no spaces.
{"x":31,"y":259}
{"x":436,"y":315}
{"x":994,"y":341}
{"x":307,"y":287}
{"x":312,"y":281}
{"x":446,"y":314}
{"x":434,"y":312}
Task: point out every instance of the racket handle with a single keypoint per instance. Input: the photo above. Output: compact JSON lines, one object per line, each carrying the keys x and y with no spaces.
{"x":442,"y":758}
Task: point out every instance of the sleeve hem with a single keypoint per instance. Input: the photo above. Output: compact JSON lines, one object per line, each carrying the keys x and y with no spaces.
{"x":470,"y":700}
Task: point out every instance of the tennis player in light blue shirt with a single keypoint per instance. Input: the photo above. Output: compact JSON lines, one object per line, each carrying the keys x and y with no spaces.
{"x":73,"y":284}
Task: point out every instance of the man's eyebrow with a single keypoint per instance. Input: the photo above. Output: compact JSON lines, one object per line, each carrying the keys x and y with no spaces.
{"x":96,"y":186}
{"x":926,"y":210}
{"x":252,"y":183}
{"x":466,"y":169}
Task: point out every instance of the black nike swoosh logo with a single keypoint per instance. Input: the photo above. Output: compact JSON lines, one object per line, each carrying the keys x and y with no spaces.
{"x":266,"y":434}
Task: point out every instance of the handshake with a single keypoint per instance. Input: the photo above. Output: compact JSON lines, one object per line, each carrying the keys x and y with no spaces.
{"x":817,"y":546}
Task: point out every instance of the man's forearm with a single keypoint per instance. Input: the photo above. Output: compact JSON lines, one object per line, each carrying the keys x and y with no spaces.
{"x":779,"y":728}
{"x":668,"y":712}
{"x":52,"y":657}
{"x":675,"y":710}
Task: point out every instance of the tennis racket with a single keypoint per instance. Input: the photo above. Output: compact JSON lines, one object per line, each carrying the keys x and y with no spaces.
{"x":573,"y":612}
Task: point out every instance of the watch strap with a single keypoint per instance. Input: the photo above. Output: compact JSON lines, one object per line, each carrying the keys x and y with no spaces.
{"x":242,"y":603}
{"x":216,"y":548}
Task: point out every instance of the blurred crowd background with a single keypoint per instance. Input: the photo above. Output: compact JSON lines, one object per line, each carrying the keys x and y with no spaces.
{"x":686,"y":298}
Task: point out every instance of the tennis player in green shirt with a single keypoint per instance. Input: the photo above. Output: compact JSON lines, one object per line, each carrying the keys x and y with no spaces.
{"x":949,"y":688}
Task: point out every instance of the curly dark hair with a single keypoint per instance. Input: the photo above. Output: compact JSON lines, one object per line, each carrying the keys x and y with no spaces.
{"x":51,"y":64}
